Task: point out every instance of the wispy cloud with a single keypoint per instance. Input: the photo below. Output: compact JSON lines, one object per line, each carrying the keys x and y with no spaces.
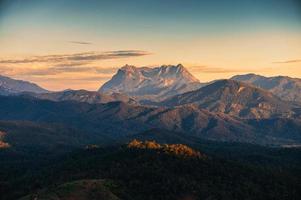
{"x":56,"y":70}
{"x":80,"y":42}
{"x":86,"y":56}
{"x":288,"y":61}
{"x":84,"y":78}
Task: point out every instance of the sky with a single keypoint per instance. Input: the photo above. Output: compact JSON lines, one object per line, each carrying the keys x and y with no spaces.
{"x":80,"y":44}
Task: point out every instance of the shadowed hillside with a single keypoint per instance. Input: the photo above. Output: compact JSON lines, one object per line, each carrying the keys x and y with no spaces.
{"x":78,"y":190}
{"x":144,"y":174}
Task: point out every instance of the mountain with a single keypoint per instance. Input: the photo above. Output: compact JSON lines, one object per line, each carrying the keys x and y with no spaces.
{"x":236,"y":99}
{"x":118,"y":120}
{"x":285,"y":87}
{"x":11,"y":86}
{"x":151,"y":83}
{"x":83,"y":96}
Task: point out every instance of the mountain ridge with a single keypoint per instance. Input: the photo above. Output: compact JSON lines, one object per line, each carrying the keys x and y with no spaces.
{"x":91,"y":97}
{"x":117,"y":120}
{"x":285,"y":87}
{"x":234,"y":98}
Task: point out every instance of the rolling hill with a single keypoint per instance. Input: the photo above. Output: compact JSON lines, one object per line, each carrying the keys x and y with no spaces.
{"x":25,"y":137}
{"x":152,"y":173}
{"x":76,"y":190}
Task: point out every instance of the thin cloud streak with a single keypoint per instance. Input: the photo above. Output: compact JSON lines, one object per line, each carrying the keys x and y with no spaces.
{"x":288,"y":61}
{"x":87,"y":78}
{"x":56,"y":70}
{"x":87,"y":56}
{"x":80,"y":42}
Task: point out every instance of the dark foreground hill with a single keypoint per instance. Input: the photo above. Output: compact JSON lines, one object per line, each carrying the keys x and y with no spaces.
{"x":77,"y":190}
{"x":25,"y":138}
{"x":148,"y":172}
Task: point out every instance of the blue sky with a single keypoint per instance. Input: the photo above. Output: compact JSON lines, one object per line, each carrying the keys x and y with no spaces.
{"x":142,"y":15}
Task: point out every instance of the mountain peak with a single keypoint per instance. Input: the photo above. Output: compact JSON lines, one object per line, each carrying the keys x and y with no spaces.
{"x":162,"y":81}
{"x":181,"y":68}
{"x":128,"y":68}
{"x":178,"y":66}
{"x":249,"y":76}
{"x":11,"y":86}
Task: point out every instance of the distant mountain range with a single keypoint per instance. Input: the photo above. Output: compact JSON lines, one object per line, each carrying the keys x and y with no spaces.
{"x":154,"y":84}
{"x":169,"y":98}
{"x":151,"y":83}
{"x":119,"y":120}
{"x":285,"y":87}
{"x":10,"y":86}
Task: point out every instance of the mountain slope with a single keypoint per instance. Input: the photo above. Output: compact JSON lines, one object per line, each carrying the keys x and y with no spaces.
{"x":12,"y":86}
{"x":235,"y":98}
{"x":24,"y":137}
{"x":285,"y":87}
{"x":84,"y":96}
{"x":151,"y":83}
{"x":118,"y":120}
{"x":76,"y":190}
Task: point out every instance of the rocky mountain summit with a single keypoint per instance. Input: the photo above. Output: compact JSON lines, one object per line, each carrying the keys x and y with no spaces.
{"x":151,"y":83}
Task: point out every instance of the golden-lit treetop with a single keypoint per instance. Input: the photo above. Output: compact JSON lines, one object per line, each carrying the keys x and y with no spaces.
{"x":175,"y":149}
{"x":4,"y":145}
